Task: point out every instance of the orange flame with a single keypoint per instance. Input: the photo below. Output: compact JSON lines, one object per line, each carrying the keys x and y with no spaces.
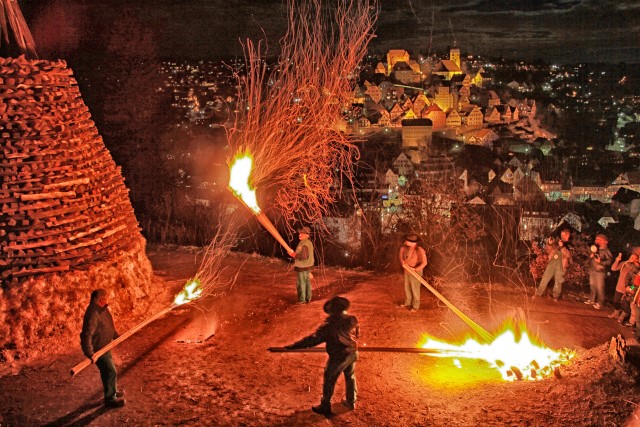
{"x":516,"y":358}
{"x":191,"y":291}
{"x":240,"y":172}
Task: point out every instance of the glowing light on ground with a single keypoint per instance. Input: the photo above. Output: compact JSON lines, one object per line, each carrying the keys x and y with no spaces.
{"x":240,"y":172}
{"x":191,"y":291}
{"x":513,"y":353}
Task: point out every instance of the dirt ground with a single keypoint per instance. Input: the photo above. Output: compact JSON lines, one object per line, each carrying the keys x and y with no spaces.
{"x":208,"y":364}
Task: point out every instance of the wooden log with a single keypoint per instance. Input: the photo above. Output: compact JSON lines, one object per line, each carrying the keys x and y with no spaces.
{"x":40,"y":244}
{"x":32,"y":271}
{"x":43,"y":196}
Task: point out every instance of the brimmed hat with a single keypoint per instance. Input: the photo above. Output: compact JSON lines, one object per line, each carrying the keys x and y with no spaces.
{"x":305,"y":230}
{"x":411,"y":238}
{"x":336,"y":305}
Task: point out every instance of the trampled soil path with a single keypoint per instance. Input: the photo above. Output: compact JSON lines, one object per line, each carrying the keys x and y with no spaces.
{"x":207,"y":364}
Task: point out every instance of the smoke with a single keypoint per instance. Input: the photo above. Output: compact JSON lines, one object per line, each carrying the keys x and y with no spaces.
{"x":58,"y":28}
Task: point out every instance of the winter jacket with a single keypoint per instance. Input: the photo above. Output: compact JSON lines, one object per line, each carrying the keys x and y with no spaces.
{"x":98,"y":329}
{"x":339,"y":332}
{"x":304,"y":256}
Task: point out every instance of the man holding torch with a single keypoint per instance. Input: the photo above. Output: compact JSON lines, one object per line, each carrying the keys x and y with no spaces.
{"x":339,"y":333}
{"x":98,"y":330}
{"x":413,"y":257}
{"x":303,"y":256}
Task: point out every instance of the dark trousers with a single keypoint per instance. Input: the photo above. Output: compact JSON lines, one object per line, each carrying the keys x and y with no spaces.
{"x":109,"y":375}
{"x":617,"y":297}
{"x":332,"y":371}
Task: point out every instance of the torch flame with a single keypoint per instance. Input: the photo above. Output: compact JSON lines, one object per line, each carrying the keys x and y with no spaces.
{"x":240,"y":171}
{"x":515,"y":359}
{"x":191,"y":291}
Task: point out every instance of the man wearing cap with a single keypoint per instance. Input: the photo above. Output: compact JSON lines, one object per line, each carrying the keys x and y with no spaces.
{"x":339,"y":333}
{"x":303,"y":256}
{"x":98,"y":330}
{"x":413,"y":257}
{"x":599,"y":260}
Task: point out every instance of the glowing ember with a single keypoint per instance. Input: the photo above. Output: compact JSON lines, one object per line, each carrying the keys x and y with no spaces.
{"x":516,"y":359}
{"x":240,"y":171}
{"x":191,"y":291}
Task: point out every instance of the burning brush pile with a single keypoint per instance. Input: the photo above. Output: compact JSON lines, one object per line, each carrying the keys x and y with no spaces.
{"x":66,"y":223}
{"x":513,"y":353}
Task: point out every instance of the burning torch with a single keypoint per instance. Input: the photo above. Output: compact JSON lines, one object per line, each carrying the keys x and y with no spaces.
{"x":192,"y":290}
{"x":240,"y":171}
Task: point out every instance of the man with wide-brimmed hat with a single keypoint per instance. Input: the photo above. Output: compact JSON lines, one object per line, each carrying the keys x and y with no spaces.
{"x":303,"y":256}
{"x":414,"y":257}
{"x":339,"y":333}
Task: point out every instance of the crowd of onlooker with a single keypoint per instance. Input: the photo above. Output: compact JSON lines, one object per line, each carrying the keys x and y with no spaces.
{"x":562,"y":256}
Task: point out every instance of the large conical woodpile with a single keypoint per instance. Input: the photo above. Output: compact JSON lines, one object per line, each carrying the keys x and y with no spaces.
{"x":64,"y":202}
{"x":66,"y":223}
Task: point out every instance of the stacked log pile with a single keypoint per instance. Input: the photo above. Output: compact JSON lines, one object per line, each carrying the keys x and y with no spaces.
{"x":63,"y":202}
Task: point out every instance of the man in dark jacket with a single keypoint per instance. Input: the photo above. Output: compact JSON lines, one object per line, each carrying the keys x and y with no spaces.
{"x":97,"y":331}
{"x":339,"y":332}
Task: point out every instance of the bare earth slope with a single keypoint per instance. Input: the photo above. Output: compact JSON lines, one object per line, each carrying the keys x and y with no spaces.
{"x":207,"y":364}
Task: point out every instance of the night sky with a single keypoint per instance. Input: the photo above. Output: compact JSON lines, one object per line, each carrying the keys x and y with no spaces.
{"x":554,"y":30}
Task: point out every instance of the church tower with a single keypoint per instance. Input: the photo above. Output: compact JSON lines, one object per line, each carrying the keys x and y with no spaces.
{"x":454,"y":55}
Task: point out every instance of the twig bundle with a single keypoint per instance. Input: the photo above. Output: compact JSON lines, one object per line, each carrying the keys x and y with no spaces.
{"x":290,"y":119}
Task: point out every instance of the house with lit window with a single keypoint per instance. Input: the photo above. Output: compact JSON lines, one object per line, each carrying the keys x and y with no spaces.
{"x":447,"y":69}
{"x":436,"y":115}
{"x":471,"y":116}
{"x":492,"y":115}
{"x":625,"y":202}
{"x":535,"y":225}
{"x":374,"y":93}
{"x":444,"y":98}
{"x":453,"y":119}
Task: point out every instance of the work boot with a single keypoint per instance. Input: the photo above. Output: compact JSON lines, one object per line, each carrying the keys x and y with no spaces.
{"x":322,"y":410}
{"x":115,"y":403}
{"x":120,"y":393}
{"x":614,"y":315}
{"x":349,"y":405}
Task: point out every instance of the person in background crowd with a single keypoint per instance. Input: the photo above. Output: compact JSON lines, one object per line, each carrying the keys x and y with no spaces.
{"x":414,"y":257}
{"x":339,"y":333}
{"x":559,"y":258}
{"x":628,"y":269}
{"x":303,"y":256}
{"x":98,"y":330}
{"x":599,"y":260}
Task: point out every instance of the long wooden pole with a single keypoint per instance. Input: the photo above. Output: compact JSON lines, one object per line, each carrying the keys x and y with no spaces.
{"x":432,"y":351}
{"x":482,"y":332}
{"x":80,"y":366}
{"x":266,"y":223}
